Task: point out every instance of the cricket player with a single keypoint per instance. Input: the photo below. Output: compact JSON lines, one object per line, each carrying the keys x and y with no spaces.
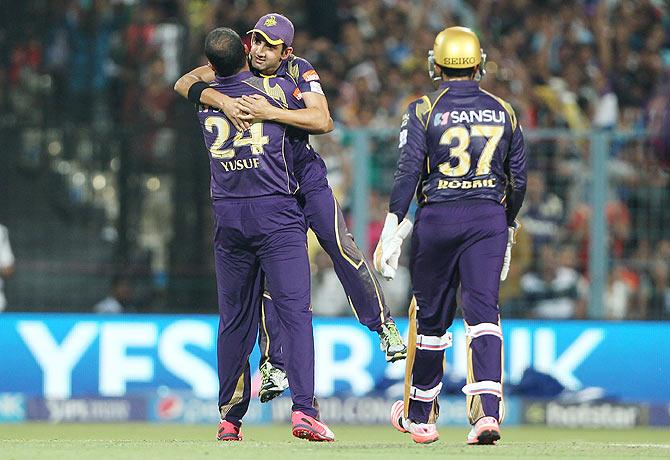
{"x":259,"y":233}
{"x":271,"y":55}
{"x":462,"y":150}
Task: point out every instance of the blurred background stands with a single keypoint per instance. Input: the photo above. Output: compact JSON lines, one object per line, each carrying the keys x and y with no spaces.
{"x":104,"y":171}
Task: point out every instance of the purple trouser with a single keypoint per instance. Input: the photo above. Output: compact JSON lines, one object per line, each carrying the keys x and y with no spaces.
{"x":255,"y":239}
{"x":457,"y":244}
{"x":366,"y":298}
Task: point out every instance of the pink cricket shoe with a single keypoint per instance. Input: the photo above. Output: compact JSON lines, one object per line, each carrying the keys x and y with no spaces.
{"x":398,"y":416}
{"x":485,"y":432}
{"x":422,"y":433}
{"x":228,"y":431}
{"x":306,"y":427}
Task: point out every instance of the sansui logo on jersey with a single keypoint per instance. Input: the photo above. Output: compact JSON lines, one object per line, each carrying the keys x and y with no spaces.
{"x":469,"y":116}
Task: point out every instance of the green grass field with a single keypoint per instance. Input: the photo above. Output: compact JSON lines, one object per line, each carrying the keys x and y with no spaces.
{"x":168,"y":442}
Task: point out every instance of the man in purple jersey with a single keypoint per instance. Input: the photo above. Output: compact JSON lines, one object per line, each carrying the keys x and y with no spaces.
{"x":270,"y":55}
{"x":464,"y":150}
{"x":259,"y":236}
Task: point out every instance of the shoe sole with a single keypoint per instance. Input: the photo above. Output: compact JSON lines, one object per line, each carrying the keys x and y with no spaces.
{"x":269,"y":395}
{"x":306,"y":432}
{"x":486,"y":438}
{"x":272,"y":391}
{"x":229,"y":438}
{"x":396,"y":357}
{"x":222,"y":435}
{"x":425,"y":440}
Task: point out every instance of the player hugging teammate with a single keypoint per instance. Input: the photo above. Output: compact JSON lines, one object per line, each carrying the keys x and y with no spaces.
{"x":461,"y":150}
{"x":271,"y":60}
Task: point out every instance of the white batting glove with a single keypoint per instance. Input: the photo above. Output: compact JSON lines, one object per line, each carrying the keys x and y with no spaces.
{"x":511,"y":241}
{"x":388,"y":249}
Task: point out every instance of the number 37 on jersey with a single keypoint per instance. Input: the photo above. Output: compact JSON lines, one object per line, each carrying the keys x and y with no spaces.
{"x":461,"y":149}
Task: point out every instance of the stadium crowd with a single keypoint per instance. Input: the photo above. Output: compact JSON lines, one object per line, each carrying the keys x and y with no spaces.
{"x":84,"y":71}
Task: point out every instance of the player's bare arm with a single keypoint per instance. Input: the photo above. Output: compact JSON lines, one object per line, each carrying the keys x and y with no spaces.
{"x":212,"y":97}
{"x":314,"y":119}
{"x":203,"y":73}
{"x":266,"y":56}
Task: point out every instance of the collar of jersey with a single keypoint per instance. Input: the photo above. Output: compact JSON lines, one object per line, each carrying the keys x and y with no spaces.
{"x":234,"y":78}
{"x":279,"y":71}
{"x":459,"y":84}
{"x":262,"y":75}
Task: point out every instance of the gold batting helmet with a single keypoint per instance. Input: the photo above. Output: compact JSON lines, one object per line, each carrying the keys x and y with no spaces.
{"x":456,"y":48}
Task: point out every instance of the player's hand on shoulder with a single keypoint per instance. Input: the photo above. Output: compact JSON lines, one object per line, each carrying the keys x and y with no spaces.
{"x":236,"y":115}
{"x":257,"y":106}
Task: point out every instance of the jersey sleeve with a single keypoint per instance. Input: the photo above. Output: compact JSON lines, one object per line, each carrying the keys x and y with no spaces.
{"x":412,"y":146}
{"x":516,"y":170}
{"x":289,"y":96}
{"x":294,"y":98}
{"x":306,"y":77}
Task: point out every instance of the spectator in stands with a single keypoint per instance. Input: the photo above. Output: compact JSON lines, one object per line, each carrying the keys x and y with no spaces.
{"x":89,"y":27}
{"x":578,"y":64}
{"x":119,"y":299}
{"x":552,"y":290}
{"x":511,"y":294}
{"x":6,"y":263}
{"x":621,"y":294}
{"x":658,"y":115}
{"x":658,"y":307}
{"x":542,"y":213}
{"x":618,"y":225}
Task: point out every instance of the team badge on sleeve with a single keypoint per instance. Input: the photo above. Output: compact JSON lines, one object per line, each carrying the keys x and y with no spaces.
{"x":310,"y":75}
{"x":297,"y":94}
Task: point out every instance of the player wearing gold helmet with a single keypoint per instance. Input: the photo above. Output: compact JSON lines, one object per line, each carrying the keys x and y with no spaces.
{"x":461,"y":150}
{"x":457,"y":48}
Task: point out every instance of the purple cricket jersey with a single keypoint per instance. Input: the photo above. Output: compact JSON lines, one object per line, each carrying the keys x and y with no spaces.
{"x":460,"y":143}
{"x":259,"y":161}
{"x":302,"y":74}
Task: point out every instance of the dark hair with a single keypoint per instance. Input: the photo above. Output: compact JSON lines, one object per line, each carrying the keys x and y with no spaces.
{"x":456,"y":73}
{"x":224,"y":49}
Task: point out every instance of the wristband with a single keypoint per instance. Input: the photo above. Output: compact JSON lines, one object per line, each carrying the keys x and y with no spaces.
{"x":195,"y":91}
